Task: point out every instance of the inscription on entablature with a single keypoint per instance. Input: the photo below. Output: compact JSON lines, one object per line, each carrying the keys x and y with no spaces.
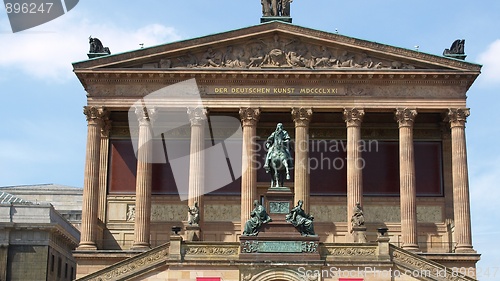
{"x":273,"y":90}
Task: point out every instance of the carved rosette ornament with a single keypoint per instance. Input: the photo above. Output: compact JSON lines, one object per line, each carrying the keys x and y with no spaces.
{"x":197,"y":115}
{"x":249,"y":116}
{"x":458,"y":116}
{"x":405,"y":117}
{"x":353,"y":117}
{"x":302,"y":116}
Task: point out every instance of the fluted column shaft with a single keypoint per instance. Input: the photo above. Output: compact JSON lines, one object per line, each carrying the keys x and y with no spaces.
{"x":353,"y":118}
{"x":103,"y":170}
{"x":95,"y":119}
{"x":407,"y":180}
{"x":197,"y":158}
{"x":302,"y":118}
{"x":249,"y":118}
{"x":461,"y":201}
{"x":144,"y":180}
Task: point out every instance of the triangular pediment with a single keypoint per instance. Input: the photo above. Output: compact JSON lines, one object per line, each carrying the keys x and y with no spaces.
{"x":276,"y":46}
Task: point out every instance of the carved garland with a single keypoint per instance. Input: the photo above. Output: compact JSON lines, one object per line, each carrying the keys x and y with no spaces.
{"x":211,"y":250}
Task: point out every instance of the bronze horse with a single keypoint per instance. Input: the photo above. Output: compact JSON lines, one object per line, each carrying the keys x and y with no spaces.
{"x":278,"y":164}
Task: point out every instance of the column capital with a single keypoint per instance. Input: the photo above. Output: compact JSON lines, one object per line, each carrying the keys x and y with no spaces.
{"x":457,"y":116}
{"x":353,"y":116}
{"x":405,"y":116}
{"x":95,"y":114}
{"x":249,"y":116}
{"x":106,"y":128}
{"x":197,"y":115}
{"x":145,"y":115}
{"x":302,"y":116}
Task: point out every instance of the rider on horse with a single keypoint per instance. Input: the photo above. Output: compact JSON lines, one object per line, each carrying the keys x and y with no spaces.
{"x":278,"y":136}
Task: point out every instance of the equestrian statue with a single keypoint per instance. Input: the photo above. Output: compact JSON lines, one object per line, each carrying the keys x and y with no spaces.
{"x":278,"y":159}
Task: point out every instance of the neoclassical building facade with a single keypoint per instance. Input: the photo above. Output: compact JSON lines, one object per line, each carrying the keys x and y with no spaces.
{"x":369,"y":123}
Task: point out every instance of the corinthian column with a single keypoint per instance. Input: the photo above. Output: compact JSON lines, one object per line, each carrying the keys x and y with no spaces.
{"x":407,"y":182}
{"x":95,"y":119}
{"x":196,"y":157}
{"x":249,"y":118}
{"x":302,"y":118}
{"x":103,"y":170}
{"x":353,"y":118}
{"x":461,"y":203}
{"x":143,"y":180}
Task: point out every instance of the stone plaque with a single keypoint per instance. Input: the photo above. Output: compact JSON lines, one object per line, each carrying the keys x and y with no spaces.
{"x":279,"y":207}
{"x":279,"y":247}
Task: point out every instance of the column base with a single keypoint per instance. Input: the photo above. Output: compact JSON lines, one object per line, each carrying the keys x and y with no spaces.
{"x":140,"y":246}
{"x":411,"y":248}
{"x":465,"y":249}
{"x":87,"y":246}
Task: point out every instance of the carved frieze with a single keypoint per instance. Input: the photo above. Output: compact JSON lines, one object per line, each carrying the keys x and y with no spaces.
{"x":222,"y":212}
{"x":168,"y":212}
{"x":350,"y":251}
{"x":210,"y":250}
{"x":432,"y":270}
{"x":131,"y":266}
{"x":329,"y":213}
{"x":277,"y":52}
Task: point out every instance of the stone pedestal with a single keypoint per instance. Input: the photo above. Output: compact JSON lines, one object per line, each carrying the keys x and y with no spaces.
{"x":174,"y":251}
{"x":282,"y":244}
{"x":193,"y":233}
{"x":359,"y":234}
{"x":279,"y":202}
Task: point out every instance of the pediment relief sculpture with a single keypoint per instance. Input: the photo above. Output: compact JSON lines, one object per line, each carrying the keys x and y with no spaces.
{"x":277,"y":52}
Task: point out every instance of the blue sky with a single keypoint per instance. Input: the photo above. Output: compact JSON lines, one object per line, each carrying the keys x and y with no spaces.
{"x":43,"y":130}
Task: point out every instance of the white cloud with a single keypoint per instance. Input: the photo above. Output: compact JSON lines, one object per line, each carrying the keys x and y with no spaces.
{"x":47,"y":51}
{"x":491,"y":63}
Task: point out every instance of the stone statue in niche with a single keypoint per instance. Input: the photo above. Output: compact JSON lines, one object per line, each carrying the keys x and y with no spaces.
{"x":358,"y":218}
{"x":258,"y":217}
{"x":302,"y":221}
{"x":194,"y":214}
{"x":130,"y":212}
